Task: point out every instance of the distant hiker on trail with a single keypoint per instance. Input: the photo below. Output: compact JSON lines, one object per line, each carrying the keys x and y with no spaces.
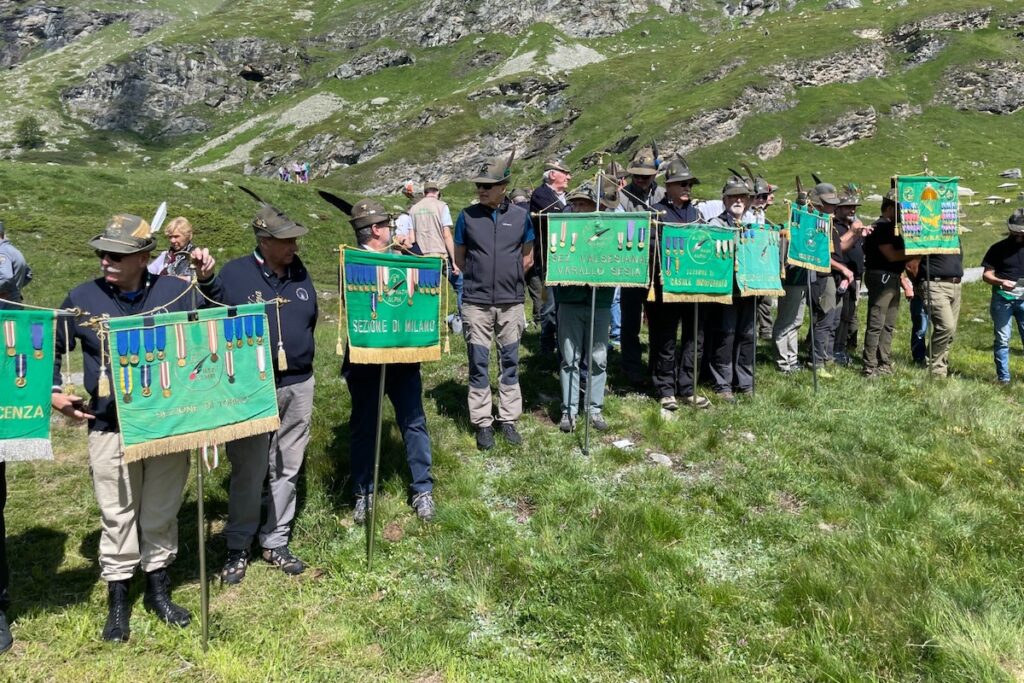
{"x":494,"y":249}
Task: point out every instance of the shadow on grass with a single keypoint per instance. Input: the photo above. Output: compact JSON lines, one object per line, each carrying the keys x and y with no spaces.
{"x":37,"y":584}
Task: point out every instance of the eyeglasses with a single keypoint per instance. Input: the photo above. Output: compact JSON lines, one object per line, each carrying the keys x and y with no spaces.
{"x":485,"y":186}
{"x":110,"y":256}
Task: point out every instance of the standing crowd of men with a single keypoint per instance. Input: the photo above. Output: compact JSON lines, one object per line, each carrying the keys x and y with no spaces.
{"x":495,"y":254}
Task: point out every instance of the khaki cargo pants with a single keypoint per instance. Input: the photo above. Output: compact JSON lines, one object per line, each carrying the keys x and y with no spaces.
{"x":484,"y":325}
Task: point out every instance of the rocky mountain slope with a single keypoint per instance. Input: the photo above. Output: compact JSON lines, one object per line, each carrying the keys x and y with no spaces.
{"x":373,"y":94}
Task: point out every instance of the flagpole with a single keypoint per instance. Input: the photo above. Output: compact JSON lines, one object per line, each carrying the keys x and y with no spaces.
{"x":204,"y":588}
{"x":370,"y":528}
{"x":589,"y":346}
{"x":810,"y":315}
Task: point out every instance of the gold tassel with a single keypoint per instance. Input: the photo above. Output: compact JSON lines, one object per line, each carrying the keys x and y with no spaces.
{"x":282,"y":360}
{"x":103,"y":390}
{"x":447,"y":346}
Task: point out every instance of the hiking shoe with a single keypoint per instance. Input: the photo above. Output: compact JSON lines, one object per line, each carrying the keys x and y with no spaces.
{"x":841,"y":358}
{"x":566,"y":424}
{"x":508,"y":430}
{"x":598,"y":421}
{"x":423,"y":504}
{"x":697,"y":401}
{"x":668,"y":403}
{"x":284,"y":560}
{"x":485,"y":438}
{"x":234,"y":569}
{"x":726,"y":396}
{"x":363,"y":503}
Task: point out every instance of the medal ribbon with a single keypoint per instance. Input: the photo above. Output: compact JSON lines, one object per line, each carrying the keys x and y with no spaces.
{"x":134,"y":342}
{"x":161,"y":341}
{"x":37,"y":339}
{"x":165,"y":377}
{"x":179,"y":338}
{"x":147,"y":378}
{"x":149,"y":342}
{"x":229,"y":365}
{"x":122,"y":346}
{"x":126,"y":383}
{"x":9,"y":335}
{"x":20,"y":367}
{"x":229,"y":331}
{"x":211,"y":338}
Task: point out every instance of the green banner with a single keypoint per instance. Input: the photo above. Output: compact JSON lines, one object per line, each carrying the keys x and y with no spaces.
{"x":697,"y":262}
{"x":758,"y":270}
{"x":929,"y":214}
{"x":187,"y":380}
{"x":26,"y":380}
{"x":603,"y":249}
{"x":392,"y":304}
{"x":810,"y":239}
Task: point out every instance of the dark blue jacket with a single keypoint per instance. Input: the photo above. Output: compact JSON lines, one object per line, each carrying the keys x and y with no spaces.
{"x":248,"y":278}
{"x":494,"y":240}
{"x":98,"y":298}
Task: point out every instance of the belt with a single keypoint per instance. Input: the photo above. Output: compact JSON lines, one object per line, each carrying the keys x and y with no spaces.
{"x":950,"y":280}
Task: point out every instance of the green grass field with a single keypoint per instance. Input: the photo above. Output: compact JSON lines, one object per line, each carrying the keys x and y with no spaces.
{"x":869,"y":532}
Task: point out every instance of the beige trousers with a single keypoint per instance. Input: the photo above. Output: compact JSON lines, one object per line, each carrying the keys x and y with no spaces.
{"x":942,"y":304}
{"x":484,"y":325}
{"x":139,"y":505}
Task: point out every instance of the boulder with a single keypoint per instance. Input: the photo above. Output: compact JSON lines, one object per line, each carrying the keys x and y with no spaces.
{"x":1010,"y":173}
{"x":994,"y":86}
{"x":372,"y":62}
{"x":846,"y":130}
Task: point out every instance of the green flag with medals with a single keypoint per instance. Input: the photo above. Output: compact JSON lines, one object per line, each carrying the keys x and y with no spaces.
{"x":929,"y":214}
{"x":26,"y":369}
{"x":758,"y":271}
{"x":810,"y":239}
{"x":697,"y":262}
{"x":601,"y":249}
{"x":187,"y":380}
{"x":392,"y":305}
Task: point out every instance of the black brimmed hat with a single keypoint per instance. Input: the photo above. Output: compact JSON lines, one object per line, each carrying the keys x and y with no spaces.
{"x":367,"y":212}
{"x":678,"y":171}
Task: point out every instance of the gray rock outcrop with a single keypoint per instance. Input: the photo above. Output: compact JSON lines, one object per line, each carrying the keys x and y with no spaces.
{"x":515,"y":96}
{"x":994,"y":86}
{"x":846,"y":130}
{"x":161,"y":92}
{"x":769,"y":150}
{"x":42,"y":27}
{"x":717,"y":125}
{"x":842,"y":4}
{"x":1013,"y":173}
{"x":372,"y":62}
{"x":848,"y":66}
{"x":750,"y":8}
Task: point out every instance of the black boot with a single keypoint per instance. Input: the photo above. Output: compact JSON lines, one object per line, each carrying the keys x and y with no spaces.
{"x":158,"y":599}
{"x":119,"y":609}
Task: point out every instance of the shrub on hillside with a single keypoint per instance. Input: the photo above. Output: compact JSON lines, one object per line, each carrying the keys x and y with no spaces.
{"x":28,"y":133}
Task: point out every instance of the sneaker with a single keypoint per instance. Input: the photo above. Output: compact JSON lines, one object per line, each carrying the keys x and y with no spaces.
{"x":697,"y":401}
{"x":423,"y":504}
{"x":234,"y":569}
{"x":726,"y":396}
{"x":485,"y":438}
{"x":566,"y":424}
{"x":285,"y":561}
{"x":598,"y":421}
{"x":508,"y":430}
{"x":841,"y":358}
{"x":363,"y":503}
{"x":668,"y":403}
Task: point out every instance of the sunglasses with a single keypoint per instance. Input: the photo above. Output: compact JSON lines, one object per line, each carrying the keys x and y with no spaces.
{"x":485,"y":186}
{"x":110,"y":256}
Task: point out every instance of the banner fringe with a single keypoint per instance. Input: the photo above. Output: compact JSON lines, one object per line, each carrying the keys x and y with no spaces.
{"x":185,"y":442}
{"x":577,"y":283}
{"x":23,"y":450}
{"x":762,"y":292}
{"x":363,"y":355}
{"x":807,"y":265}
{"x":931,"y":250}
{"x":670,"y":298}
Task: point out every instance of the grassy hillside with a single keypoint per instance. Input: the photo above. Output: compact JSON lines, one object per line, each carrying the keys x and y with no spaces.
{"x":865,"y":533}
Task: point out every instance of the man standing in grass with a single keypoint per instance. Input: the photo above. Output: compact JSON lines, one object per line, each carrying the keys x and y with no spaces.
{"x":548,"y":197}
{"x":494,"y":249}
{"x":273,"y":270}
{"x":640,"y":194}
{"x":404,"y":388}
{"x":672,"y":361}
{"x":432,"y":233}
{"x":884,"y":260}
{"x":138,"y":501}
{"x":1004,"y":269}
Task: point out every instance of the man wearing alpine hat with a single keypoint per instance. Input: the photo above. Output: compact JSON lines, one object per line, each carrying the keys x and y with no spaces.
{"x":494,"y":244}
{"x":138,"y":501}
{"x":272,"y":270}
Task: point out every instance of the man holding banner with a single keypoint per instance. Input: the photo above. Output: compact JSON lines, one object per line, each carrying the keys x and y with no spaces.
{"x":139,"y":500}
{"x":273,"y":270}
{"x":494,"y":249}
{"x":402,"y":384}
{"x":672,"y":363}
